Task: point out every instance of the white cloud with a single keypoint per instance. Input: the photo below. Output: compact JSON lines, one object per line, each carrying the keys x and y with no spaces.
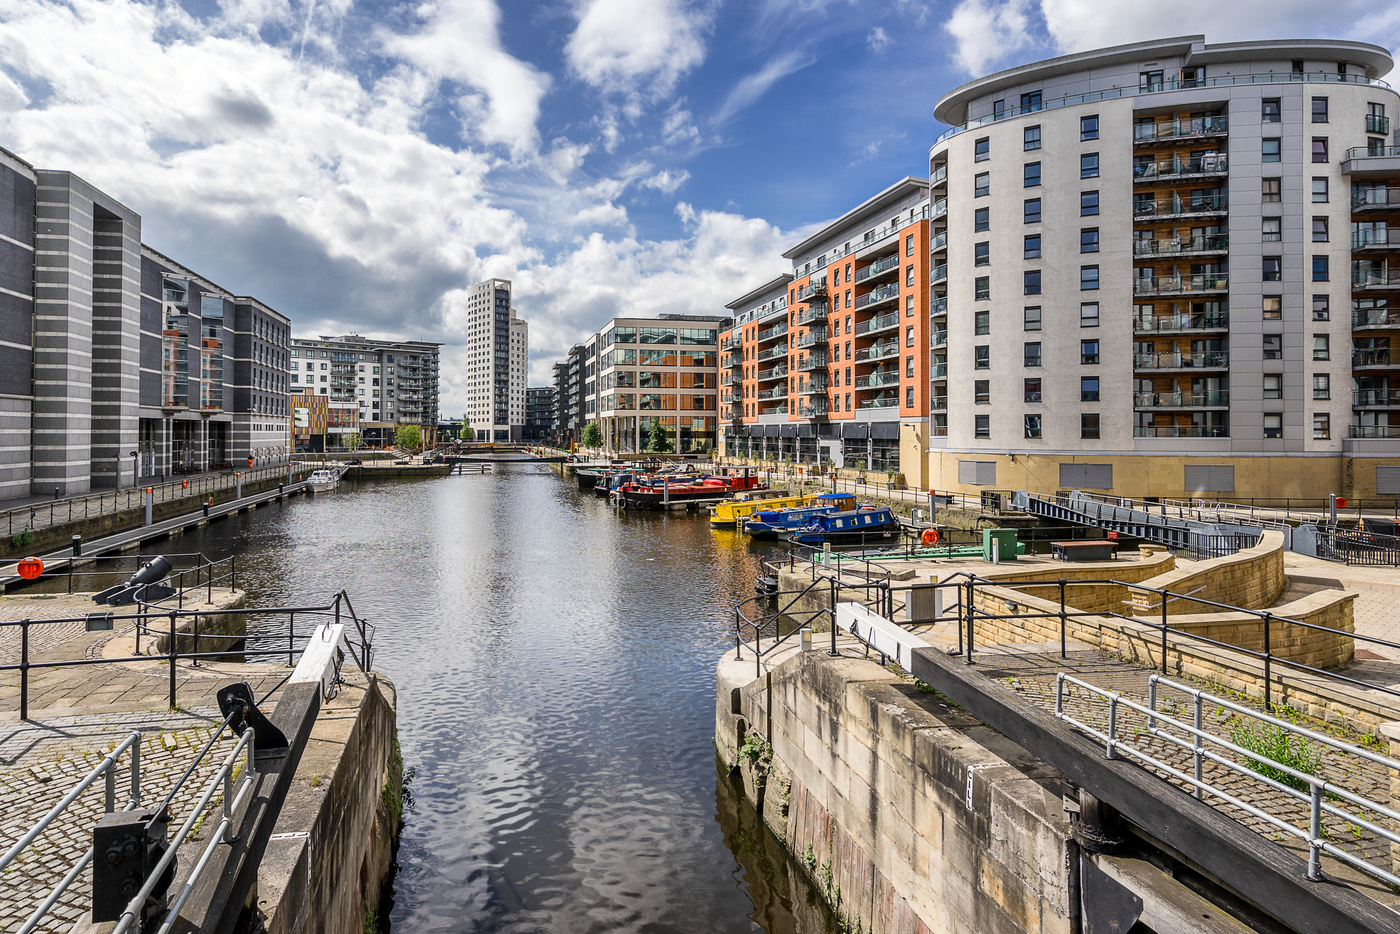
{"x":638,"y":48}
{"x":877,"y":39}
{"x":666,"y":181}
{"x":987,"y":31}
{"x":678,"y":128}
{"x":751,"y":87}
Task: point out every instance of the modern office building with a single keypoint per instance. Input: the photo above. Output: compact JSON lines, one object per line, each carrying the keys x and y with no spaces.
{"x":1165,"y":269}
{"x":118,"y":365}
{"x":831,"y":362}
{"x":498,"y":350}
{"x":391,"y":383}
{"x":568,"y":390}
{"x":540,"y":413}
{"x":320,"y":425}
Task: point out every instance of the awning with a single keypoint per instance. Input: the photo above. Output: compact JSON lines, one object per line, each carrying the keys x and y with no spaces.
{"x":854,"y":430}
{"x":787,"y":431}
{"x":885,"y":431}
{"x":804,"y":430}
{"x":770,"y":431}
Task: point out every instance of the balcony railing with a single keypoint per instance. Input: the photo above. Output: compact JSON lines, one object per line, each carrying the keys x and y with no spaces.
{"x":1219,"y":398}
{"x":877,"y":380}
{"x":938,"y":404}
{"x":1191,"y":128}
{"x":728,"y":379}
{"x":938,"y":371}
{"x":773,"y":410}
{"x":1214,"y":163}
{"x":816,"y":385}
{"x":939,"y":306}
{"x":729,"y":343}
{"x":779,"y":392}
{"x":1362,"y":198}
{"x":1182,"y":322}
{"x":1171,"y":285}
{"x":1372,"y":152}
{"x":939,"y":242}
{"x":1375,"y":317}
{"x":1375,"y":238}
{"x":1177,"y":206}
{"x":1180,"y":431}
{"x":811,"y":338}
{"x":1382,"y":278}
{"x":940,"y":207}
{"x":939,"y":274}
{"x":939,"y":339}
{"x":779,"y":351}
{"x":813,"y":410}
{"x":880,"y":402}
{"x":1378,"y":123}
{"x":812,"y":291}
{"x":1363,"y":398}
{"x":939,"y":176}
{"x":1171,"y":360}
{"x":773,"y":333}
{"x":1375,"y":431}
{"x":816,"y":361}
{"x":877,"y":267}
{"x":811,"y":314}
{"x":736,"y":359}
{"x":878,"y":351}
{"x":1372,"y":357}
{"x":878,"y":295}
{"x":878,"y":323}
{"x":1175,"y":245}
{"x":776,"y":372}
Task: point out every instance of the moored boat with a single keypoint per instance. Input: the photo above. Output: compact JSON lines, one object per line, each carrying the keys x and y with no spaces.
{"x":771,"y":524}
{"x":665,"y":493}
{"x":728,"y":514}
{"x":323,"y":480}
{"x":857,"y":525}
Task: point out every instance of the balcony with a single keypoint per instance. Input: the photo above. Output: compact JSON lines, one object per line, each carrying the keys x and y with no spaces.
{"x":938,"y":275}
{"x":729,"y":343}
{"x":877,"y":380}
{"x":813,"y":409}
{"x":818,"y":384}
{"x":878,"y":296}
{"x":772,"y":353}
{"x":1214,"y":163}
{"x":736,"y":359}
{"x":939,"y":243}
{"x":1182,"y":246}
{"x":939,"y":176}
{"x":1372,"y":358}
{"x":938,"y":404}
{"x":1375,"y":318}
{"x":1175,"y":360}
{"x":1375,"y":278}
{"x":1371,"y":199}
{"x":877,"y":352}
{"x":939,"y":339}
{"x":938,"y":371}
{"x":940,"y":208}
{"x":1378,"y":123}
{"x":728,"y":379}
{"x":816,"y":361}
{"x":939,"y":306}
{"x":1177,"y":206}
{"x":812,"y":338}
{"x":1376,"y":238}
{"x":773,"y":333}
{"x":773,"y":410}
{"x":878,"y":323}
{"x":1178,"y":323}
{"x":813,"y":313}
{"x":1375,"y":399}
{"x":878,"y":268}
{"x":1374,"y":431}
{"x":772,"y":373}
{"x":1189,"y":130}
{"x":778,"y":392}
{"x":1176,"y":285}
{"x":812,"y":291}
{"x":887,"y":401}
{"x":1180,"y":431}
{"x":1216,"y":399}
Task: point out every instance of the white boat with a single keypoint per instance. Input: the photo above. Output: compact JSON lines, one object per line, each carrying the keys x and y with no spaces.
{"x":323,"y":481}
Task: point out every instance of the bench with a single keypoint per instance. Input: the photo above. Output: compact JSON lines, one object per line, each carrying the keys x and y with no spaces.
{"x":1084,"y":551}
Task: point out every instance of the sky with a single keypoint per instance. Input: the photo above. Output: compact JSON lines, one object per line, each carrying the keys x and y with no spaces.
{"x":359,"y":165}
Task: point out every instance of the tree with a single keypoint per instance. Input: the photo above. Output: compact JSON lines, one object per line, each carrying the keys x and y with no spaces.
{"x":592,"y":435}
{"x":408,"y":437}
{"x":352,"y":441}
{"x":657,"y":441}
{"x":468,"y":433}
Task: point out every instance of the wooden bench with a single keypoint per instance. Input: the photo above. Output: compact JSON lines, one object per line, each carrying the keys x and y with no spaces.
{"x":1084,"y":551}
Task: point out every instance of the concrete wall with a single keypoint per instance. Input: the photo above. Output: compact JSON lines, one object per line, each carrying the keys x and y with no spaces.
{"x":1252,"y":578}
{"x":909,"y":816}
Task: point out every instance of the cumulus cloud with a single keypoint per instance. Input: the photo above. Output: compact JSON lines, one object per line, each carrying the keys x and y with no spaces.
{"x":666,"y":181}
{"x":636,"y":48}
{"x":987,"y":31}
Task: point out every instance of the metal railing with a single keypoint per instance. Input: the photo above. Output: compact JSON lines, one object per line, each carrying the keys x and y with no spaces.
{"x":1177,"y":205}
{"x":1381,"y":278}
{"x":1357,"y":546}
{"x":1179,"y":400}
{"x":1174,"y":245}
{"x":1375,"y":237}
{"x":1373,"y":152}
{"x":1205,"y":164}
{"x":876,"y":296}
{"x":1182,"y":322}
{"x":1203,"y":359}
{"x":879,"y":266}
{"x":1154,"y":285}
{"x":1202,"y":744}
{"x":1362,"y":198}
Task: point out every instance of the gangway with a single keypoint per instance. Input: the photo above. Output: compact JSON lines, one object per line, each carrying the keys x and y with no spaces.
{"x":1178,"y":526}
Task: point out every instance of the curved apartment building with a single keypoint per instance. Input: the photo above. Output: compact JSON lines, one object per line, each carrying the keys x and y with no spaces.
{"x":1165,"y":269}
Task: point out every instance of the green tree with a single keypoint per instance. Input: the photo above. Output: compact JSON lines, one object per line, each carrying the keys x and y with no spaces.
{"x":657,"y":441}
{"x":352,"y":441}
{"x":592,"y":435}
{"x":408,"y":437}
{"x":468,"y":433}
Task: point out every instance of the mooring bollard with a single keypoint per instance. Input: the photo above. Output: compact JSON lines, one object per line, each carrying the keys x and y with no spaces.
{"x":150,"y":503}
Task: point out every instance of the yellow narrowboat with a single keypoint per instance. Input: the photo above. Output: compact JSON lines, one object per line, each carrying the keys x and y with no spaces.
{"x":731,"y":513}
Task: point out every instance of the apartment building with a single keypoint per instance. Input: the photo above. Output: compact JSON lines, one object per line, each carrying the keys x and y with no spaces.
{"x":540,"y":413}
{"x":497,"y":357}
{"x":568,"y":392}
{"x":391,"y":383}
{"x":1165,"y":269}
{"x":831,"y":362}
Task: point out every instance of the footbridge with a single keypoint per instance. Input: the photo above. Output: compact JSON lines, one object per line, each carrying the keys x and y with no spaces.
{"x":1210,"y":528}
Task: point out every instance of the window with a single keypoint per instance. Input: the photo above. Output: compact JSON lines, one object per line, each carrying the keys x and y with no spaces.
{"x":1030,"y":138}
{"x":1089,"y":425}
{"x":909,"y":397}
{"x":1088,"y":203}
{"x":1319,"y":190}
{"x":1030,"y":103}
{"x":1031,"y":281}
{"x":981,"y":219}
{"x":998,"y":109}
{"x":981,"y":391}
{"x":1273,"y":346}
{"x":1320,"y":269}
{"x":1271,"y":191}
{"x":1319,"y":110}
{"x":981,"y":184}
{"x":1273,"y":425}
{"x":1273,"y":307}
{"x":1322,"y":386}
{"x":1031,"y":318}
{"x":1319,"y":230}
{"x":981,"y":288}
{"x":909,"y":336}
{"x":982,"y":357}
{"x":1032,"y":211}
{"x":1322,"y":426}
{"x":1089,"y":389}
{"x":1271,"y":149}
{"x":909,"y":276}
{"x":1322,"y":347}
{"x":1089,"y":165}
{"x":1271,"y":230}
{"x":1319,"y":149}
{"x":1032,"y":246}
{"x":908,"y":306}
{"x":1321,"y":307}
{"x":1271,"y":110}
{"x":1088,"y":278}
{"x":981,"y":426}
{"x":1150,"y":80}
{"x":1031,"y":353}
{"x":982,"y":322}
{"x":1089,"y":315}
{"x":1032,"y":426}
{"x":1031,"y":175}
{"x":909,"y":367}
{"x":982,"y":150}
{"x":1089,"y":127}
{"x":1088,"y":352}
{"x":1033,"y":390}
{"x":1088,"y":239}
{"x":1273,"y":385}
{"x":982,"y":253}
{"x":1273,"y":269}
{"x":909,"y":245}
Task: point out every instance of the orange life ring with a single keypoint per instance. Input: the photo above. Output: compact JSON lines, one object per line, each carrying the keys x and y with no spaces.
{"x":930,"y":537}
{"x":185,"y":485}
{"x":30,"y":568}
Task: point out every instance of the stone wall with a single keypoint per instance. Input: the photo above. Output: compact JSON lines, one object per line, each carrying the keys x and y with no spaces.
{"x":1252,"y":579}
{"x":1091,"y":598}
{"x":910,"y":816}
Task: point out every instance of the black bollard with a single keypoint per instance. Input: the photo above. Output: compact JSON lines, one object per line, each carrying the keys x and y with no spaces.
{"x":77,"y":546}
{"x":55,"y":492}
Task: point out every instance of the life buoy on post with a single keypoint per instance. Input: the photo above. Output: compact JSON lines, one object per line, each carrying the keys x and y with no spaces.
{"x":185,"y":485}
{"x":30,"y":568}
{"x":930,"y":537}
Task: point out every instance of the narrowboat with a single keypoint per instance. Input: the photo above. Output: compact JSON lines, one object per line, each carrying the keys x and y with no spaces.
{"x":772,"y":524}
{"x":855,"y":526}
{"x":729,"y":514}
{"x":588,"y":477}
{"x":665,"y":493}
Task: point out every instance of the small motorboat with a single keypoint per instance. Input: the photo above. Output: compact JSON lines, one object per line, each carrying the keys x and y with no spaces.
{"x":324,"y":480}
{"x":866,"y":524}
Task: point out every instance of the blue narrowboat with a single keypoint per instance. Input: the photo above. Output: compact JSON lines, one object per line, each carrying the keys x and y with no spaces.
{"x":772,"y":524}
{"x":857,"y":525}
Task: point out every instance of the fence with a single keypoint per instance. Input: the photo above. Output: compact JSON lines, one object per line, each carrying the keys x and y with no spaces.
{"x":1358,"y":547}
{"x":190,"y":573}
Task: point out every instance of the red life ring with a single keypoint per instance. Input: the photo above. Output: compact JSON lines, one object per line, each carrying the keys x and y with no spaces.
{"x":930,"y":537}
{"x":185,"y":485}
{"x":30,"y":568}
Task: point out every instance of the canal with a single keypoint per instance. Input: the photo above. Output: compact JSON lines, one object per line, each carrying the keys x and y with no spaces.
{"x":555,"y":669}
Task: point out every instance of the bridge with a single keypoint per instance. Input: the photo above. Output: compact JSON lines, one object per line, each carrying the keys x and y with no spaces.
{"x":504,"y":453}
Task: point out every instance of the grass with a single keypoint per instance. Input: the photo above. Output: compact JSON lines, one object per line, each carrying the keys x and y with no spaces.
{"x":1280,"y":746}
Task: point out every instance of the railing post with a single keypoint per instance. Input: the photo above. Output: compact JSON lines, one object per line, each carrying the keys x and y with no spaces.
{"x":1063,"y":620}
{"x":967,"y":656}
{"x":1196,"y":751}
{"x":738,"y":642}
{"x":171,"y":655}
{"x":24,"y":669}
{"x":832,"y":587}
{"x":1315,"y":835}
{"x":1268,"y":657}
{"x":1112,"y":726}
{"x":291,"y":636}
{"x":1163,"y":596}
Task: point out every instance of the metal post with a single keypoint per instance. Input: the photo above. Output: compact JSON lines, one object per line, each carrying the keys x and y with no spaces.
{"x":24,"y":669}
{"x":170,"y":658}
{"x":832,"y":587}
{"x":291,"y":637}
{"x":1315,"y":836}
{"x":150,"y":503}
{"x":1063,"y":621}
{"x":194,"y":662}
{"x":738,"y":644}
{"x":967,"y":656}
{"x":1163,"y":596}
{"x":1112,"y":726}
{"x":238,"y":486}
{"x":1196,"y":752}
{"x":1268,"y":706}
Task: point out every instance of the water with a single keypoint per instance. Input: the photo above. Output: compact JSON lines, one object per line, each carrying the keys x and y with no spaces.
{"x":555,"y":668}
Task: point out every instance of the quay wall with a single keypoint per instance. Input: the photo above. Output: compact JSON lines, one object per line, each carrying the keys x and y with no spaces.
{"x":1252,"y":578}
{"x":911,"y":817}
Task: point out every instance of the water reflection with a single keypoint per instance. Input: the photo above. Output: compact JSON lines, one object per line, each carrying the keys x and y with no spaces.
{"x":555,"y":668}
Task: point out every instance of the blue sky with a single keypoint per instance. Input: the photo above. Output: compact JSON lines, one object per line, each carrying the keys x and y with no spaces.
{"x":357,"y":165}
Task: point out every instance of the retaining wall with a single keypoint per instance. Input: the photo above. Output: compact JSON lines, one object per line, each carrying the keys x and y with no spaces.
{"x":1252,"y":578}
